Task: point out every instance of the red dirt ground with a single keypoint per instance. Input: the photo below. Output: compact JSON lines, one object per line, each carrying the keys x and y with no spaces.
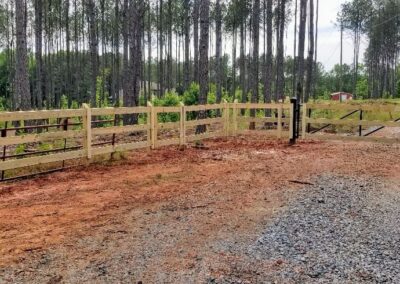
{"x":166,"y":207}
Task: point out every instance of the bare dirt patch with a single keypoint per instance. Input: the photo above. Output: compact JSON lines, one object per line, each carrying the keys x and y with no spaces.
{"x":166,"y":216}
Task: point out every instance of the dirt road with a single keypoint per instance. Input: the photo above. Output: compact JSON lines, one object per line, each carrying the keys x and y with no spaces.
{"x":167,"y":216}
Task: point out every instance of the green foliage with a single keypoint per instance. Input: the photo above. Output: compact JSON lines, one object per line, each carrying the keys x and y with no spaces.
{"x":64,"y":102}
{"x":362,"y":88}
{"x":190,"y":97}
{"x":170,"y":99}
{"x":20,"y":149}
{"x":102,"y":93}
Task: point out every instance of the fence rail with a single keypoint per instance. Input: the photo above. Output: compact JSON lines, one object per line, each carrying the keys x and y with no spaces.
{"x":93,"y":131}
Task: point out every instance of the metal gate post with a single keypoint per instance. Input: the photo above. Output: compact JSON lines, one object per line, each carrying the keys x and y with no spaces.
{"x":294,"y":115}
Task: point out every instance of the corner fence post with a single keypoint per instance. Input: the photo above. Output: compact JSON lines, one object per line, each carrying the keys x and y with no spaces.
{"x":182,"y":133}
{"x":293,"y":122}
{"x":87,"y":126}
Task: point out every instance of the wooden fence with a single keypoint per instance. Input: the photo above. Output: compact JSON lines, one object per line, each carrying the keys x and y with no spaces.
{"x":354,"y":116}
{"x":88,"y":132}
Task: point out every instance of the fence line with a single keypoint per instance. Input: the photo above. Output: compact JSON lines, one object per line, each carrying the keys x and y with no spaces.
{"x":226,"y":120}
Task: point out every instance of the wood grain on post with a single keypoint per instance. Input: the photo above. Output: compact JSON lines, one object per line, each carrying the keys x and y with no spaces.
{"x":153,"y":130}
{"x":226,"y":118}
{"x":182,"y":132}
{"x":235,"y":117}
{"x":87,"y":126}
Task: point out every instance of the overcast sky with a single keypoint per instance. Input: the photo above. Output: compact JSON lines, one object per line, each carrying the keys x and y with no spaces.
{"x":329,"y":36}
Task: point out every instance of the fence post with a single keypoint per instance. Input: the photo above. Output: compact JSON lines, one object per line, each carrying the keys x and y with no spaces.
{"x":235,"y":116}
{"x":182,"y":136}
{"x":153,"y":133}
{"x":226,"y":118}
{"x":87,"y":125}
{"x":304,"y":122}
{"x":280,"y":114}
{"x":293,"y":123}
{"x":149,"y":124}
{"x":360,"y":127}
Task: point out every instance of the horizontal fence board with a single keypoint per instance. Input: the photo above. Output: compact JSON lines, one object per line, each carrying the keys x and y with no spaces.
{"x":207,"y":135}
{"x":262,"y":119}
{"x":121,"y":110}
{"x":167,"y":109}
{"x":169,"y":125}
{"x":204,"y":107}
{"x":42,"y":114}
{"x":353,"y":122}
{"x":44,"y":137}
{"x":28,"y":162}
{"x":120,"y":129}
{"x":167,"y":142}
{"x":119,"y":148}
{"x":262,"y":106}
{"x":353,"y":138}
{"x":192,"y":123}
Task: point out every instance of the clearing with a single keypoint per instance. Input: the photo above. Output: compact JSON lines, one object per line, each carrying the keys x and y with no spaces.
{"x":240,"y":210}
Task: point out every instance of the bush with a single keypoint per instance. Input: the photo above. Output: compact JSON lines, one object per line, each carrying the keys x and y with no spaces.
{"x":191,"y":96}
{"x":170,"y":99}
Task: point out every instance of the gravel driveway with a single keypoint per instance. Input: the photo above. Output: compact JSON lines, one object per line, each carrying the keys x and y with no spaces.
{"x":342,"y":230}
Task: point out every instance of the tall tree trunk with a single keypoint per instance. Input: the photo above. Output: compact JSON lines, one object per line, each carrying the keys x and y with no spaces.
{"x":302,"y":35}
{"x":203,"y":64}
{"x":169,"y":59}
{"x":22,"y":95}
{"x":196,"y":9}
{"x":280,"y":82}
{"x":314,"y":82}
{"x":68,"y":76}
{"x":218,"y":50}
{"x":269,"y":62}
{"x":131,"y":97}
{"x":117,"y":74}
{"x":93,"y":46}
{"x":243,"y":62}
{"x":125,"y":59}
{"x":295,"y":49}
{"x":149,"y":49}
{"x":186,"y":72}
{"x":310,"y":59}
{"x":161,"y":55}
{"x":255,"y":57}
{"x":38,"y":54}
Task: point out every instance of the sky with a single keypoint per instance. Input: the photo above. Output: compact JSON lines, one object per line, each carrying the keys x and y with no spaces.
{"x":329,"y":37}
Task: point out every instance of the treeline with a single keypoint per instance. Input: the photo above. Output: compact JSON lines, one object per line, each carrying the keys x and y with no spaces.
{"x":123,"y":52}
{"x":378,"y":23}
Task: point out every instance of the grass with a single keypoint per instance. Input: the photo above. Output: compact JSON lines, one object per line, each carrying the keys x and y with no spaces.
{"x":367,"y":115}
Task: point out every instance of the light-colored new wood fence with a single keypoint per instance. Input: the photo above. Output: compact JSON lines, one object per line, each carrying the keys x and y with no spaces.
{"x":94,"y":127}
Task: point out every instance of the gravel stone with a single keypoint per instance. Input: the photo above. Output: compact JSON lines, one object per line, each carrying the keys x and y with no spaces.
{"x":342,"y":230}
